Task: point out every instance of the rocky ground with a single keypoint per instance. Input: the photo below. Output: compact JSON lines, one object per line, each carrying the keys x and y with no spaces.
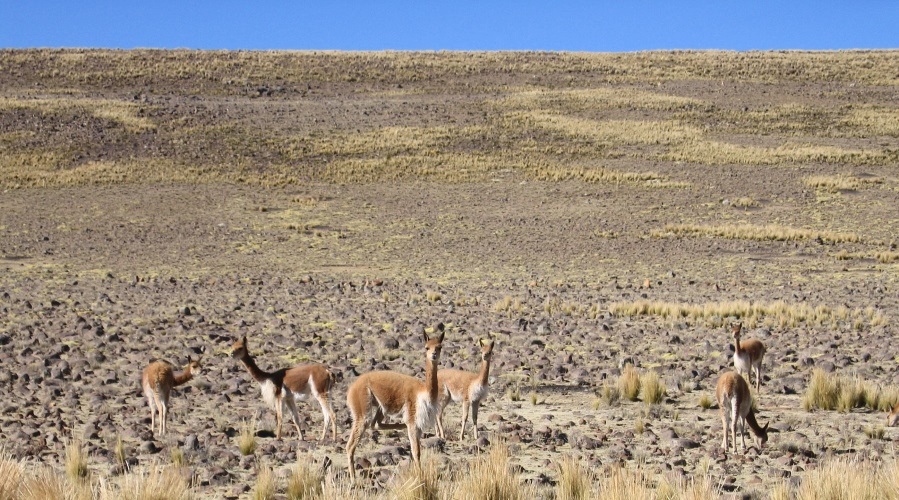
{"x":97,"y":280}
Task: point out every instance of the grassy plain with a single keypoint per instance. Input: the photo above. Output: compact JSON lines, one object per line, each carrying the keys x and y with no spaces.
{"x":590,"y":211}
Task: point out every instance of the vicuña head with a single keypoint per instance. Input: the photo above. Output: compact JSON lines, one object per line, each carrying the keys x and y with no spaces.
{"x":893,"y":416}
{"x":285,"y":386}
{"x":467,"y":388}
{"x":157,"y":381}
{"x":376,"y":395}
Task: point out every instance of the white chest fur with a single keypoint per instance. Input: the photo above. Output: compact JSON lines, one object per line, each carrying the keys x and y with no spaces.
{"x":742,"y":361}
{"x":425,"y":411}
{"x":269,"y":393}
{"x":477,"y":392}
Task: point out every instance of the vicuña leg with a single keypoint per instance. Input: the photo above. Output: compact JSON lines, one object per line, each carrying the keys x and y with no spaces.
{"x":474,"y":418}
{"x":465,"y":407}
{"x":292,"y":406}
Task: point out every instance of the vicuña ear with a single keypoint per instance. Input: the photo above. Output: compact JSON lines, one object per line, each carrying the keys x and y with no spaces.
{"x":482,"y":342}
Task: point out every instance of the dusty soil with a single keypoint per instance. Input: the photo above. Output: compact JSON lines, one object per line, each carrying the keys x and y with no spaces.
{"x":97,"y":280}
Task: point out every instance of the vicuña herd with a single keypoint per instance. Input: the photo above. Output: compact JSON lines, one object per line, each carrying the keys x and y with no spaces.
{"x":376,"y":396}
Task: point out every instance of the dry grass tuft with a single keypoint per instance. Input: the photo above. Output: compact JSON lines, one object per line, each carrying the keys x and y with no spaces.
{"x":177,"y":456}
{"x":575,"y":482}
{"x":706,"y":402}
{"x":246,"y":440}
{"x":778,"y":313}
{"x":490,"y":476}
{"x":829,"y":391}
{"x":652,"y":388}
{"x":76,"y":462}
{"x":10,"y":476}
{"x":158,"y":483}
{"x":629,"y":383}
{"x":414,"y":483}
{"x":265,"y":484}
{"x":46,"y":484}
{"x":768,"y":232}
{"x":823,"y":391}
{"x":744,"y":202}
{"x":849,"y":478}
{"x":305,"y":481}
{"x":119,"y":452}
{"x":610,"y":395}
{"x":621,"y":483}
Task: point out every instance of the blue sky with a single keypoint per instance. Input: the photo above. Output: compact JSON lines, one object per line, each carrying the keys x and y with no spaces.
{"x":597,"y":26}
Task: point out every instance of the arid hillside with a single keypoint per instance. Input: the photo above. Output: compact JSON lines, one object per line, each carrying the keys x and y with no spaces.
{"x":587,"y":211}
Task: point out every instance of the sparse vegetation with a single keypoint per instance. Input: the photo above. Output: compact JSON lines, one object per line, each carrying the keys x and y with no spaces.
{"x":629,"y":383}
{"x":76,"y":462}
{"x":652,"y":388}
{"x":246,"y":439}
{"x":414,"y":483}
{"x":177,"y":457}
{"x":331,"y":202}
{"x":490,"y":476}
{"x":304,"y":482}
{"x":751,"y":313}
{"x":761,"y":233}
{"x":829,"y":391}
{"x":575,"y":482}
{"x":265,"y":484}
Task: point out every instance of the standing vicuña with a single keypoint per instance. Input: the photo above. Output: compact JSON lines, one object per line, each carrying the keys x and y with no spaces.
{"x":376,"y":395}
{"x":158,"y":380}
{"x":735,"y":404}
{"x":287,"y":385}
{"x":465,"y":387}
{"x":748,"y":356}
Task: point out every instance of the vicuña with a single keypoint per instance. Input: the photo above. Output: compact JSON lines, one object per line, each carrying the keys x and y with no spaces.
{"x":285,"y":386}
{"x":379,"y":394}
{"x":158,"y":379}
{"x":465,"y":387}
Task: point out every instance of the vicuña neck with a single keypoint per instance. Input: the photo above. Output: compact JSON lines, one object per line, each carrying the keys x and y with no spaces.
{"x":184,"y":376}
{"x":431,"y":378}
{"x":485,"y":371}
{"x":257,"y":373}
{"x":737,"y":345}
{"x":753,"y":424}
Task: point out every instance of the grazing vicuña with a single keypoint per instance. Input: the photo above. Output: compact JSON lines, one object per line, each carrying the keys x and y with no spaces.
{"x":286,"y":385}
{"x":735,"y":404}
{"x":158,"y":380}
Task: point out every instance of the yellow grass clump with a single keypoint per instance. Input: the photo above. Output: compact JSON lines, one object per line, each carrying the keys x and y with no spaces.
{"x":491,"y":476}
{"x":265,"y":484}
{"x":246,"y":439}
{"x":652,"y":387}
{"x":127,"y":114}
{"x":829,"y":391}
{"x":769,"y":232}
{"x":575,"y":481}
{"x":629,"y":383}
{"x":778,"y":312}
{"x":304,"y":482}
